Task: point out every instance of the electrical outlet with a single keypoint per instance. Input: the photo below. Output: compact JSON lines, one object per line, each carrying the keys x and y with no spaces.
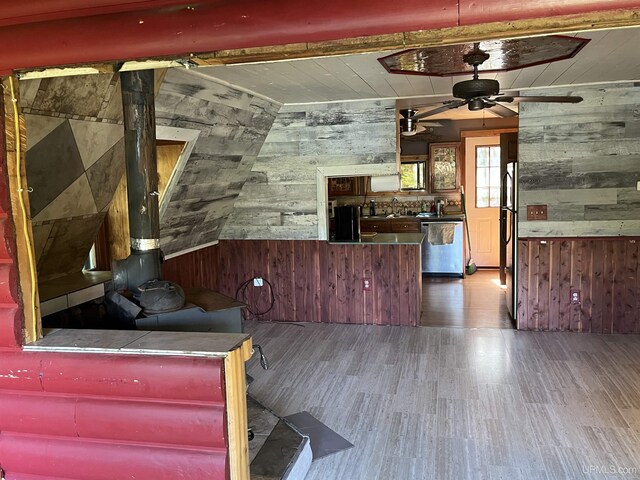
{"x":575,"y":296}
{"x":366,"y":284}
{"x":258,"y":282}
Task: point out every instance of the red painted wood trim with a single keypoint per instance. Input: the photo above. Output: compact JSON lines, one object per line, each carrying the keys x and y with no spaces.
{"x":11,"y":316}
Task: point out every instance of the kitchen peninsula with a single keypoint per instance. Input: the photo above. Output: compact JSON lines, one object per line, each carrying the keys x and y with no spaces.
{"x":376,"y":281}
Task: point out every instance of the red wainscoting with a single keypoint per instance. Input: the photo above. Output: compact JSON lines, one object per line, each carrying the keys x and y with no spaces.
{"x":313,"y":281}
{"x":100,"y":417}
{"x":605,"y":272}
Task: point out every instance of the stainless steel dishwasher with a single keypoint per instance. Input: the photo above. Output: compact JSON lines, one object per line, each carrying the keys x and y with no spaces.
{"x":443,"y":259}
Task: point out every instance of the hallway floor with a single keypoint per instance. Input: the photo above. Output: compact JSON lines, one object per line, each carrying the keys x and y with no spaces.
{"x":432,"y":403}
{"x":477,"y":301}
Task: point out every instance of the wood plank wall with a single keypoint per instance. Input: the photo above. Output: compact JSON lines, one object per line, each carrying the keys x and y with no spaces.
{"x":605,"y":271}
{"x":233,"y":125}
{"x":582,"y":160}
{"x":313,"y":281}
{"x":279,"y":200}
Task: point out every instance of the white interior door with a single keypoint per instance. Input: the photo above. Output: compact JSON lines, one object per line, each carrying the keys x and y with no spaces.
{"x":482,"y":191}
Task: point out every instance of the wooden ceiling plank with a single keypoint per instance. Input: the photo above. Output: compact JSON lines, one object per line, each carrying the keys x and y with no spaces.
{"x":527,"y":76}
{"x":421,"y":85}
{"x":596,"y":49}
{"x":334,"y":87}
{"x":298,"y":81}
{"x":444,"y":85}
{"x":373,"y":73}
{"x":601,"y":71}
{"x":338,"y":67}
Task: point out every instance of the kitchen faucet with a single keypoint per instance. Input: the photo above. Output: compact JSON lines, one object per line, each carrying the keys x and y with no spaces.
{"x":394,"y":203}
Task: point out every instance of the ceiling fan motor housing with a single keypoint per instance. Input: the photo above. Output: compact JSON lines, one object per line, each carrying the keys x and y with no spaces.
{"x":480,"y":87}
{"x":408,"y":126}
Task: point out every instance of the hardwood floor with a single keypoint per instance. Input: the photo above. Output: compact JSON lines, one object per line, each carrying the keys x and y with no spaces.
{"x":477,"y":301}
{"x":453,"y":403}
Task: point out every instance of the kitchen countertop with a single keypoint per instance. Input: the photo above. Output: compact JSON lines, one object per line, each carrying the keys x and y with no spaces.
{"x":443,"y":218}
{"x":388,"y":239}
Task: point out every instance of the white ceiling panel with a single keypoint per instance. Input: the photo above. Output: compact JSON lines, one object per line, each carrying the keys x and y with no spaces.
{"x":610,"y":56}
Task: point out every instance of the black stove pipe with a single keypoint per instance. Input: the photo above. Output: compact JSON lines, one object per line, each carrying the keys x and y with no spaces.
{"x":142,"y":183}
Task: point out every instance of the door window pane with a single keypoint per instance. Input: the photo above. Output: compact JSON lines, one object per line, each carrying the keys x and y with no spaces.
{"x":482,"y":197}
{"x":488,"y":176}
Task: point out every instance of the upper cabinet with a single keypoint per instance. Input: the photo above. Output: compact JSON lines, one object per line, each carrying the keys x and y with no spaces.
{"x":346,"y":186}
{"x":444,"y":167}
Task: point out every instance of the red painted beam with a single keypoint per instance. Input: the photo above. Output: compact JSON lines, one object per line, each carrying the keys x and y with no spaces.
{"x":209,"y":27}
{"x":474,"y":12}
{"x":46,"y":10}
{"x":67,"y":32}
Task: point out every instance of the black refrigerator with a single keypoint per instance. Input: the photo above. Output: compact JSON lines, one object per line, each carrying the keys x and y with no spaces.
{"x":509,"y":220}
{"x":347,"y":221}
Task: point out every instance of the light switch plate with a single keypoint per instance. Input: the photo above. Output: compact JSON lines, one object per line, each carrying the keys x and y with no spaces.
{"x":536,"y":212}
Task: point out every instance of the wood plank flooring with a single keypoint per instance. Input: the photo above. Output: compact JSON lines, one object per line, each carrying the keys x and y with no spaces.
{"x":453,"y":403}
{"x":477,"y":301}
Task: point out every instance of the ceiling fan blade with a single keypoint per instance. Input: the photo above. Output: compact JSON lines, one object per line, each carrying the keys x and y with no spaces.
{"x":447,"y":106}
{"x":541,"y":99}
{"x":502,"y":111}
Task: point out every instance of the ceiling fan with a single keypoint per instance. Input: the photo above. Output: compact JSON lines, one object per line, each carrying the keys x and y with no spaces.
{"x":409,"y":126}
{"x":483,"y":93}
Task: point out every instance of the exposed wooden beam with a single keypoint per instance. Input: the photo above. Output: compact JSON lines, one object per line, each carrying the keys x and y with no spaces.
{"x":425,"y":38}
{"x":387,"y":42}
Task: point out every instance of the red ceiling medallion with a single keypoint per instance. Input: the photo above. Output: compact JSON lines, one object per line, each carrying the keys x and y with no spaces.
{"x":504,"y":55}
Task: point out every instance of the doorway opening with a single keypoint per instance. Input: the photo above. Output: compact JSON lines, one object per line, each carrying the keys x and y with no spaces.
{"x":480,"y":300}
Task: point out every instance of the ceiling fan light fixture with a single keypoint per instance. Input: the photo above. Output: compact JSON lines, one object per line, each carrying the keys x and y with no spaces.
{"x":408,"y":133}
{"x":408,"y":127}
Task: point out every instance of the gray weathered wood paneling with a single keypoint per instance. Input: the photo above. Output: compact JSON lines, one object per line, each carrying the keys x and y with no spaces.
{"x":583,"y":161}
{"x":233,"y":125}
{"x":303,"y":138}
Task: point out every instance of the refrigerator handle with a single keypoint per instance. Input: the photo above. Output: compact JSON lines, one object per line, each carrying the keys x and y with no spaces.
{"x":507,"y":228}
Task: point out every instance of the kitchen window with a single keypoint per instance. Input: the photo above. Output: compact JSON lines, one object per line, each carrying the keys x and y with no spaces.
{"x":413,"y":175}
{"x":488,"y":176}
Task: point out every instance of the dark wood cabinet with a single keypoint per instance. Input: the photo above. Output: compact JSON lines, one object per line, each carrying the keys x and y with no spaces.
{"x":400,"y":225}
{"x":375,"y":225}
{"x":345,"y":186}
{"x":390,"y":225}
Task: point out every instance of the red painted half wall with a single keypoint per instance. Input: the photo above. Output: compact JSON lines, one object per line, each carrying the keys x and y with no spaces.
{"x":99,"y":417}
